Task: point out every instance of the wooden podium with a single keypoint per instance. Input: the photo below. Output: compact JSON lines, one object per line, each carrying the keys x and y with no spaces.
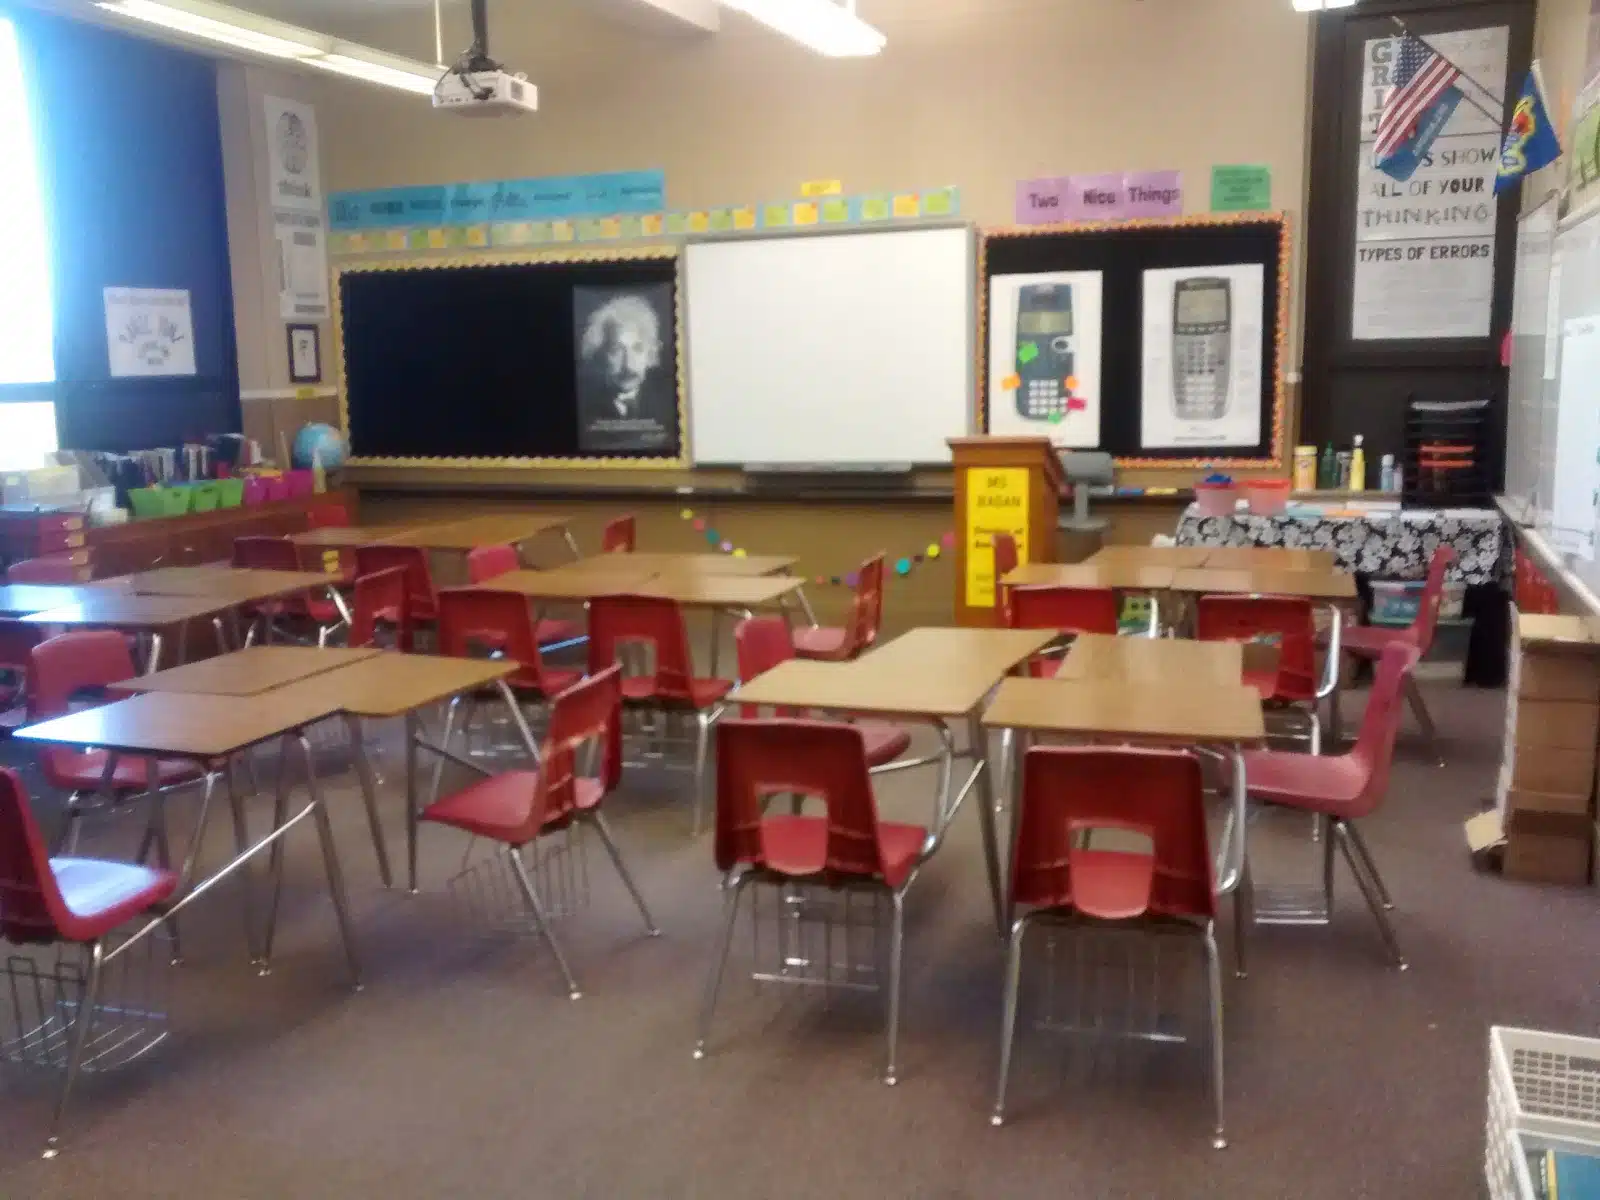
{"x":1002,"y":485}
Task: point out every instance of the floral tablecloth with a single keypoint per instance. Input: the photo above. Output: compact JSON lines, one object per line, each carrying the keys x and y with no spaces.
{"x":1393,"y":545}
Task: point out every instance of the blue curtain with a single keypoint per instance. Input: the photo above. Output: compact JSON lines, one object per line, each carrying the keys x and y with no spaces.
{"x":131,"y":159}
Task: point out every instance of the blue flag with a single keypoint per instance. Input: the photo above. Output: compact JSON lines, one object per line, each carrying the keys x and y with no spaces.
{"x":1530,"y":141}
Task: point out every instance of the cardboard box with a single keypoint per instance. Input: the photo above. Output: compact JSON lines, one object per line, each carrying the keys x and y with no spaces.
{"x":1550,"y":769}
{"x":1552,"y":630}
{"x":1567,"y":677}
{"x":1578,"y":804}
{"x":1563,"y":724}
{"x":1548,"y":848}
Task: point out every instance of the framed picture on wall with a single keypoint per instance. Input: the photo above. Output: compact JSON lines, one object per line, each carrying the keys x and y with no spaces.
{"x":305,"y":354}
{"x":626,"y":368}
{"x":1044,"y":356}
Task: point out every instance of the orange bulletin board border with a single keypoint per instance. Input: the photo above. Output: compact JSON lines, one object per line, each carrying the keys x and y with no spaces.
{"x":1274,"y":460}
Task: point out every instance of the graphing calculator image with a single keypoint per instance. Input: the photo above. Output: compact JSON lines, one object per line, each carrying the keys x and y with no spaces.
{"x":1202,"y":329}
{"x":1044,"y":349}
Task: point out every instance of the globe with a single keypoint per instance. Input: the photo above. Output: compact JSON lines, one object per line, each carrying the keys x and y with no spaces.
{"x":318,"y":441}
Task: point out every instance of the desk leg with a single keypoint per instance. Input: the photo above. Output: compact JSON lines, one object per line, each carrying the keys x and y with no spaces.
{"x":163,"y":843}
{"x":330,"y":861}
{"x":979,"y":742}
{"x":517,"y":715}
{"x":369,"y":796}
{"x":280,"y":814}
{"x":1014,"y":748}
{"x":716,"y":636}
{"x":805,"y":606}
{"x":241,"y":846}
{"x":412,"y":733}
{"x":153,"y":663}
{"x":572,"y":543}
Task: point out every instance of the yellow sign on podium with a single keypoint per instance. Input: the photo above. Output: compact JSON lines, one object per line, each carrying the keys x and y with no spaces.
{"x":997,"y":502}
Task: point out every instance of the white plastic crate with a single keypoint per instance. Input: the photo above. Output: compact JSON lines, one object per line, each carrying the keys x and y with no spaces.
{"x":1396,"y":601}
{"x":1544,"y":1086}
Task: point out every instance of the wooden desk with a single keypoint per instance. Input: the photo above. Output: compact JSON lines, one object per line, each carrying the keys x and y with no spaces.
{"x":694,"y":590}
{"x":1176,"y":557}
{"x":248,"y":672}
{"x":1314,"y":585}
{"x":240,"y":585}
{"x":491,"y":529}
{"x":935,"y":674}
{"x":1269,"y":557}
{"x":1173,"y":712}
{"x":108,"y":608}
{"x":348,"y":537}
{"x":1131,"y":574}
{"x":699,"y":564}
{"x":21,"y":599}
{"x":1153,"y":660}
{"x":574,"y":582}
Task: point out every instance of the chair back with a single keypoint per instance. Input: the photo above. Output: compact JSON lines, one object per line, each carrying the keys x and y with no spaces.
{"x":68,"y":664}
{"x":1064,"y":609}
{"x":17,"y":640}
{"x":653,"y":621}
{"x":266,"y":553}
{"x":52,"y":568}
{"x":589,"y":711}
{"x":485,"y":562}
{"x":871,"y":594}
{"x":761,"y":643}
{"x":476,"y":623}
{"x":822,"y":759}
{"x":380,"y":600}
{"x":1070,"y":791}
{"x":1005,"y":562}
{"x":1427,"y":619}
{"x":1288,"y":620}
{"x":323,"y":516}
{"x":1380,"y":724}
{"x":618,"y":536}
{"x":413,"y":560}
{"x":31,"y":908}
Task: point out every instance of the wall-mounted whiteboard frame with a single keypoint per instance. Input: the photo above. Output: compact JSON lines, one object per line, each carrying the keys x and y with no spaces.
{"x":1532,"y":386}
{"x":962,"y":340}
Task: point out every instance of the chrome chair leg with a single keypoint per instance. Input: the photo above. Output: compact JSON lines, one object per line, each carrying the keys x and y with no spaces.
{"x":369,"y":797}
{"x":163,"y":846}
{"x":330,"y":862}
{"x":1219,"y":1138}
{"x":444,"y":742}
{"x":897,"y":940}
{"x":280,"y":814}
{"x":80,"y":1039}
{"x":1419,"y":706}
{"x":241,"y":843}
{"x":1242,"y":902}
{"x":1008,"y":1018}
{"x":702,"y":747}
{"x":719,"y":964}
{"x":67,"y":839}
{"x":531,"y":895}
{"x":610,"y":844}
{"x":1385,"y":927}
{"x":1360,"y":844}
{"x":1326,"y":837}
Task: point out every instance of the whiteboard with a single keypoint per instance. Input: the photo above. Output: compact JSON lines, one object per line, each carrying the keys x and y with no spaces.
{"x":1530,"y":311}
{"x":838,"y":348}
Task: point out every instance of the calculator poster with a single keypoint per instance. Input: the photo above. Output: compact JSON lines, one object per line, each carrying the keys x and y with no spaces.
{"x":1201,"y":348}
{"x":1044,"y":356}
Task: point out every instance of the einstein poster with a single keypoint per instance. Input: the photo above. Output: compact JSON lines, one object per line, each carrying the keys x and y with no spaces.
{"x":626,"y":349}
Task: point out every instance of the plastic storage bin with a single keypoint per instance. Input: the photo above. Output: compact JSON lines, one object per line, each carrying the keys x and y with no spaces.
{"x":159,"y":501}
{"x":300,"y":484}
{"x":230,"y":493}
{"x":255,"y":490}
{"x":1396,"y":602}
{"x":1544,"y":1091}
{"x":204,"y":497}
{"x":1215,"y":499}
{"x":1266,"y":497}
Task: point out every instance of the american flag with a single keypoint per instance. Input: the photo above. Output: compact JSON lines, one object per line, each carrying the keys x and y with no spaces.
{"x":1421,"y":77}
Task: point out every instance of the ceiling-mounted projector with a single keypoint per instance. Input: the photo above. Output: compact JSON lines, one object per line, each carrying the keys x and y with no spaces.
{"x":477,"y":86}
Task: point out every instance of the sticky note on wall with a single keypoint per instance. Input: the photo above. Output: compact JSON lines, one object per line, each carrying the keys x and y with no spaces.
{"x":774,"y":215}
{"x":805,"y":212}
{"x":907,"y":204}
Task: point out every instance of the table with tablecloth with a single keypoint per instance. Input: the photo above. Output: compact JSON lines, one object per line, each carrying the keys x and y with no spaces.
{"x":1393,"y":544}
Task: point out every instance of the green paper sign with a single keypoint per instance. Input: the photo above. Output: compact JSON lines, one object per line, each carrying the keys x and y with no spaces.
{"x":940,"y":203}
{"x":677,"y":223}
{"x":417,"y":239}
{"x":774,"y":214}
{"x":632,"y":227}
{"x":835,"y":210}
{"x":721,"y":220}
{"x":455,"y":237}
{"x":875,"y":208}
{"x":1027,"y":352}
{"x":1245,"y":188}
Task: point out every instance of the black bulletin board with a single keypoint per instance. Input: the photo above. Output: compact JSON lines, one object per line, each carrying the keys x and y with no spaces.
{"x":1122,"y":252}
{"x":473,"y":362}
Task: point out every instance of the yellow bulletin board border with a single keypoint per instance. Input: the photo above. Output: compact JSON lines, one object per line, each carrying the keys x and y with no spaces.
{"x":491,"y":258}
{"x":1281,"y":331}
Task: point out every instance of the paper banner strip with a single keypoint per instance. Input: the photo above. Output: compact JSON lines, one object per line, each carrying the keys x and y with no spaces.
{"x":902,"y":565}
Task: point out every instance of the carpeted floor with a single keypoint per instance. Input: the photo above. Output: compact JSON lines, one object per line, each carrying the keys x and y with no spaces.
{"x":462,"y":1069}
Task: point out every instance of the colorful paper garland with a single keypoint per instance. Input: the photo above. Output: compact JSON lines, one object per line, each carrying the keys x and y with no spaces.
{"x":903,"y":565}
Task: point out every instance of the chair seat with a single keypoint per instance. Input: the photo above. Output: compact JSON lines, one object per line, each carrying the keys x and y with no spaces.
{"x":102,"y":895}
{"x":1264,"y":682}
{"x":1369,"y":641}
{"x":798,"y":846}
{"x":1324,"y":783}
{"x":819,"y":641}
{"x":703,"y":693}
{"x":83,"y":770}
{"x":497,"y":807}
{"x":884,"y":742}
{"x":556,"y":629}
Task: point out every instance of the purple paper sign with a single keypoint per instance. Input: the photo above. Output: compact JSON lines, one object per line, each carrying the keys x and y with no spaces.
{"x":1153,"y":194}
{"x":1041,"y":201}
{"x":1096,"y":197}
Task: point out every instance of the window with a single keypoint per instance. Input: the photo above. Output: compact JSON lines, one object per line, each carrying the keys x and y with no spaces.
{"x":26,"y":334}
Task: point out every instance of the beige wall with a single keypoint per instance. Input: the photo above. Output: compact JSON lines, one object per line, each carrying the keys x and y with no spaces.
{"x":1559,"y":33}
{"x":978,"y":93}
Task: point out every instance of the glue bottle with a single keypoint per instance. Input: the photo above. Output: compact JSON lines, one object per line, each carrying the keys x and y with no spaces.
{"x":1358,"y":466}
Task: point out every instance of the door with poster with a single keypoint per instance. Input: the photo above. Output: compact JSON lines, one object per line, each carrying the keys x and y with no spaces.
{"x":1410,"y":255}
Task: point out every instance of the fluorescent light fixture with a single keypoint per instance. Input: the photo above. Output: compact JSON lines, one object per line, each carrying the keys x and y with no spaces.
{"x":225,"y":25}
{"x":827,"y":27}
{"x":1320,"y":5}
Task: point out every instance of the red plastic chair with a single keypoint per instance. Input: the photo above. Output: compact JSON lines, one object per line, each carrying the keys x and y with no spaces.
{"x":1057,"y":874}
{"x":421,"y":602}
{"x":1367,"y":643}
{"x":833,"y":643}
{"x":1291,"y":622}
{"x":618,"y":536}
{"x":848,"y":848}
{"x":486,"y":562}
{"x":380,"y":614}
{"x":517,"y":808}
{"x":619,"y":622}
{"x":475,"y":622}
{"x":52,"y":568}
{"x":77,"y":901}
{"x":761,"y":643}
{"x":17,"y":640}
{"x":1343,"y":788}
{"x":1067,"y":610}
{"x":1005,"y":562}
{"x":61,"y":670}
{"x":280,"y":554}
{"x":325,"y":516}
